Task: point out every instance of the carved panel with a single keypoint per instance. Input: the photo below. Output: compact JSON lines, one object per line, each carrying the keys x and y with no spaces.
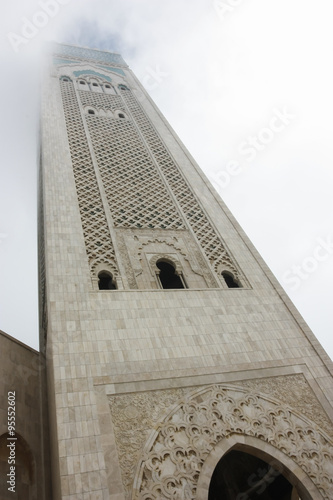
{"x":142,"y":246}
{"x":176,"y":446}
{"x":175,"y":452}
{"x":134,"y":416}
{"x":296,"y":393}
{"x":123,"y":249}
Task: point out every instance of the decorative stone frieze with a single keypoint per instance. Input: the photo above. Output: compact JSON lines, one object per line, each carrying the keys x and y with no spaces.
{"x":177,"y":444}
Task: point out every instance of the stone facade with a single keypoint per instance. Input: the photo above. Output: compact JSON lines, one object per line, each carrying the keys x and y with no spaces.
{"x":149,"y":387}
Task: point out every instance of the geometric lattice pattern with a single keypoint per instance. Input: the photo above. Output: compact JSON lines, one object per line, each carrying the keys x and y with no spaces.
{"x":203,"y":229}
{"x":137,"y":195}
{"x":140,"y":178}
{"x":95,"y":228}
{"x":101,"y":101}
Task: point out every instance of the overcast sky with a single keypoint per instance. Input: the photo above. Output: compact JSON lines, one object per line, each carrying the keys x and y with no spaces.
{"x":246,"y":84}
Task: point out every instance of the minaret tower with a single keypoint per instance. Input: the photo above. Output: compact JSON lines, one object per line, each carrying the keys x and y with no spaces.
{"x":177,"y":366}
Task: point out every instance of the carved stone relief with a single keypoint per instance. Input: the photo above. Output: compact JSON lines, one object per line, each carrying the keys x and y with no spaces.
{"x":200,"y":262}
{"x":129,"y":271}
{"x":142,"y":246}
{"x":134,"y":416}
{"x":295,"y":392}
{"x":168,"y":452}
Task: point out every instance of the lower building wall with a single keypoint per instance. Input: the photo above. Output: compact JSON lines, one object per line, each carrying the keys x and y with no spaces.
{"x":23,"y":396}
{"x":53,"y":434}
{"x":148,"y":384}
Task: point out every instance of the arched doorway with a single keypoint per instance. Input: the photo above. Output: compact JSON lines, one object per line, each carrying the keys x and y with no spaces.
{"x":242,"y":476}
{"x":184,"y":449}
{"x":247,"y":468}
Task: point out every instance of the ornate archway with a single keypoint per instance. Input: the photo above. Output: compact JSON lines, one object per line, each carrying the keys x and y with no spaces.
{"x":177,"y":452}
{"x":281,"y":462}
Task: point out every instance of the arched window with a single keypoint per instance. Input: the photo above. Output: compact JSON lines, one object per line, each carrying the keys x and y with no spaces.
{"x":82,"y":85}
{"x":91,"y":112}
{"x":121,"y":115}
{"x":168,"y":277}
{"x":109,"y":89}
{"x":121,"y":86}
{"x":95,"y":86}
{"x":230,"y":280}
{"x":105,"y":281}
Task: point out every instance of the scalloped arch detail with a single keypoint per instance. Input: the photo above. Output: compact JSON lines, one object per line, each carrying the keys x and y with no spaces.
{"x":167,"y":258}
{"x":176,"y":450}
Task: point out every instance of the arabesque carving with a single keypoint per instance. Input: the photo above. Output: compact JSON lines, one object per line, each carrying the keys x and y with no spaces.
{"x":166,"y":241}
{"x":133,"y":416}
{"x":175,"y":451}
{"x":129,"y":271}
{"x":295,"y":392}
{"x":163,"y":247}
